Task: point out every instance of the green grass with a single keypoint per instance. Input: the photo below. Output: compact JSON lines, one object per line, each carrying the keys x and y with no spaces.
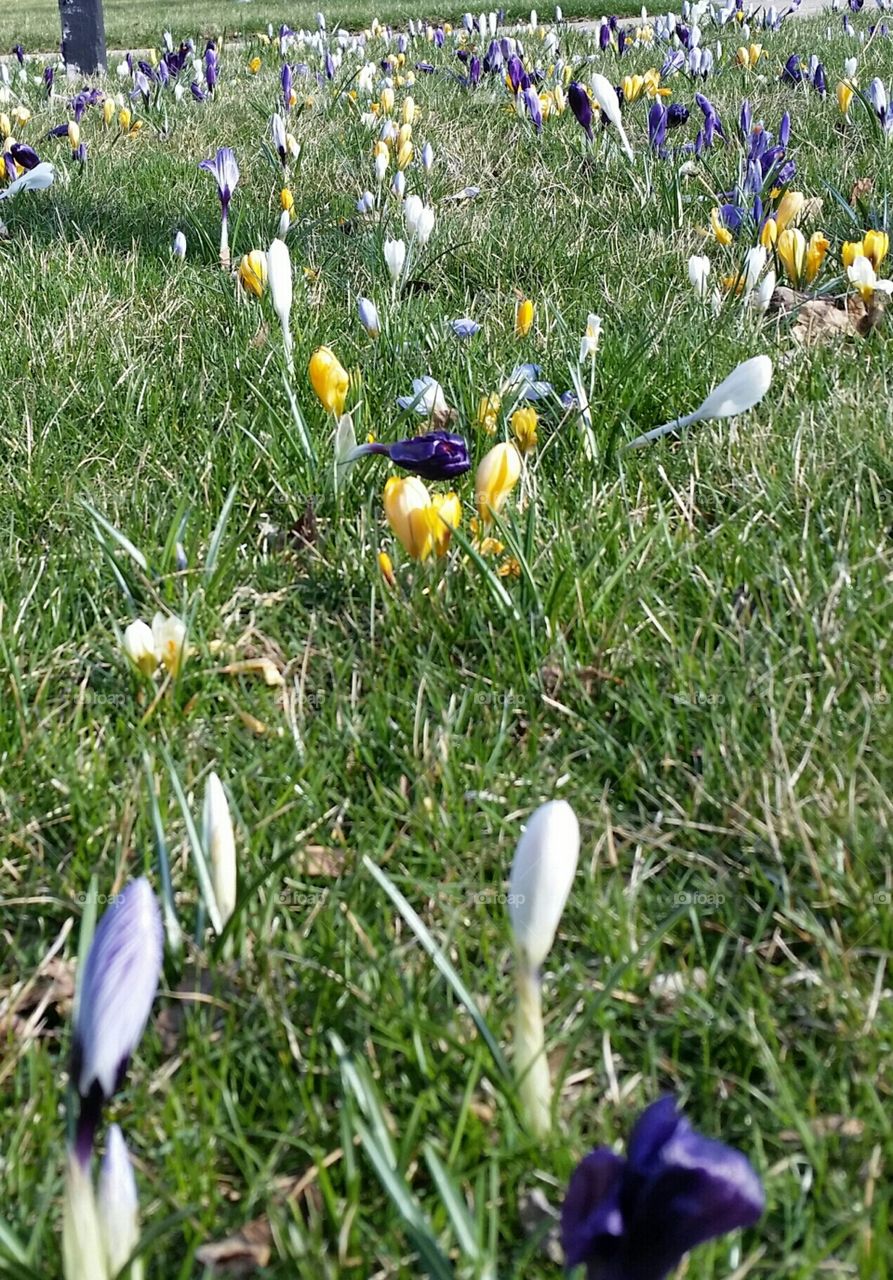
{"x":696,"y":655}
{"x":133,"y":23}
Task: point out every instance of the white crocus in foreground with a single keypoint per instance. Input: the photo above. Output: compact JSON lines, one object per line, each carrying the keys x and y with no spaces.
{"x":280,"y":285}
{"x":698,"y":273}
{"x":138,"y":643}
{"x":394,"y":256}
{"x":740,"y":391}
{"x":542,"y":873}
{"x":118,"y":1206}
{"x":606,"y":97}
{"x":220,"y":843}
{"x":36,"y":179}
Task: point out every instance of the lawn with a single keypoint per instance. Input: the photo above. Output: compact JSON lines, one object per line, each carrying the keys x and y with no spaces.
{"x":689,"y":642}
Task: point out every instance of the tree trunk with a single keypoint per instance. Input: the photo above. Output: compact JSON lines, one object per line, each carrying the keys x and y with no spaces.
{"x":83,"y":34}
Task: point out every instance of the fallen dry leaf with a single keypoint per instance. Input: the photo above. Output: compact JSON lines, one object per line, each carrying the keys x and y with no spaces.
{"x":264,"y":667}
{"x":862,"y":187}
{"x":317,"y":860}
{"x":821,"y":319}
{"x":239,"y":1255}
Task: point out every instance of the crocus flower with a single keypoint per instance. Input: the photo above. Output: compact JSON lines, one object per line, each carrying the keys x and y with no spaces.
{"x":534,"y":108}
{"x":875,"y":245}
{"x":394,"y":256}
{"x":253,"y":272}
{"x":540,"y":881}
{"x":698,"y":273}
{"x":427,"y":397}
{"x":801,"y":260}
{"x":657,"y":125}
{"x":117,"y":1204}
{"x":791,"y":72}
{"x":741,"y":390}
{"x":169,"y":633}
{"x":280,"y":282}
{"x":368,"y":313}
{"x":138,"y":644}
{"x":226,"y":173}
{"x":24,"y":156}
{"x":277,"y":129}
{"x":117,"y":990}
{"x":329,"y":380}
{"x":220,"y":844}
{"x":606,"y":97}
{"x":465,"y":327}
{"x":524,"y":423}
{"x":439,"y":455}
{"x":591,"y":337}
{"x":428,"y":157}
{"x":419,"y":219}
{"x":423,"y":525}
{"x":635,"y":1218}
{"x":844,"y":96}
{"x":498,"y":472}
{"x":524,"y":312}
{"x":525,"y":384}
{"x":863,"y":277}
{"x":488,"y":412}
{"x":178,"y":248}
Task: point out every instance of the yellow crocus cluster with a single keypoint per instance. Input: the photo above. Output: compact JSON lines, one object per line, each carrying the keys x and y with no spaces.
{"x":253,"y":272}
{"x":329,"y":380}
{"x":802,"y":260}
{"x":789,"y":209}
{"x":747,"y":56}
{"x":422,"y":523}
{"x":874,"y":246}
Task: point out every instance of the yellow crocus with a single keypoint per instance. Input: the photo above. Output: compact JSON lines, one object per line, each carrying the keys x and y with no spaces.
{"x":404,"y":135}
{"x":286,"y":199}
{"x":329,"y":380}
{"x":524,"y":425}
{"x":74,"y":134}
{"x":108,"y":111}
{"x":721,"y":232}
{"x":851,"y":250}
{"x":559,"y":101}
{"x":404,"y":155}
{"x":386,"y":568}
{"x":789,"y":209}
{"x":844,"y":96}
{"x":769,"y":233}
{"x":5,"y":125}
{"x":386,"y":100}
{"x":498,"y":472}
{"x":124,"y":119}
{"x":22,"y":116}
{"x":253,"y":272}
{"x":488,"y":412}
{"x":876,"y":244}
{"x":524,"y":311}
{"x":792,"y":253}
{"x":446,"y":515}
{"x":420,"y":525}
{"x":632,"y":87}
{"x":409,"y":111}
{"x":815,"y":256}
{"x":742,"y":56}
{"x":254,"y":65}
{"x":651,"y":82}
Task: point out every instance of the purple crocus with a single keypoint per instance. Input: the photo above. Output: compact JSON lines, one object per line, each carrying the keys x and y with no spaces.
{"x":25,"y":157}
{"x":634,"y":1218}
{"x":49,"y":74}
{"x":117,"y":989}
{"x":578,"y":101}
{"x":791,"y":72}
{"x":677,"y":114}
{"x":657,"y":125}
{"x":286,"y":81}
{"x":438,"y":455}
{"x":465,"y":327}
{"x":226,"y":173}
{"x":534,"y":110}
{"x":211,"y":71}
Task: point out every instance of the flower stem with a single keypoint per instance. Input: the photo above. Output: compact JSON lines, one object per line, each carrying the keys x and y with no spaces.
{"x":531,"y":1064}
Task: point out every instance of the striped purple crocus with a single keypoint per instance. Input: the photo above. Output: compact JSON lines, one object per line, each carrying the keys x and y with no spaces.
{"x":117,"y":989}
{"x":226,"y":172}
{"x":285,"y":79}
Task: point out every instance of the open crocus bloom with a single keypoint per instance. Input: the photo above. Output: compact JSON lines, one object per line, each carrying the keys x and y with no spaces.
{"x":424,"y":525}
{"x":427,"y":397}
{"x":863,"y":277}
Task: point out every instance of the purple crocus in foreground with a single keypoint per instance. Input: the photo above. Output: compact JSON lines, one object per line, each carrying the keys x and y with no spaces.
{"x":117,"y":989}
{"x":578,"y":101}
{"x":635,"y":1218}
{"x":438,"y":455}
{"x":226,"y":172}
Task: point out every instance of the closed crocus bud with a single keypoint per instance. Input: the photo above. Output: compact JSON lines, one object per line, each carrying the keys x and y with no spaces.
{"x":498,"y":472}
{"x":169,"y":634}
{"x":118,"y":987}
{"x":409,"y":110}
{"x":117,"y":1203}
{"x":369,"y":317}
{"x":138,"y":644}
{"x":253,"y":272}
{"x":524,"y":312}
{"x":542,"y":873}
{"x":398,"y":186}
{"x":386,"y":100}
{"x":286,"y":200}
{"x":524,"y":424}
{"x":329,"y":380}
{"x":404,"y":155}
{"x":394,"y":256}
{"x":789,"y":209}
{"x":419,"y":218}
{"x":875,"y":245}
{"x":792,"y":254}
{"x":108,"y":111}
{"x":428,"y":157}
{"x":284,"y":224}
{"x":406,"y":502}
{"x":280,"y":282}
{"x":438,"y":455}
{"x":761,"y":297}
{"x":844,"y":96}
{"x":698,"y":273}
{"x":741,"y":390}
{"x":606,"y":97}
{"x":220,"y":843}
{"x":382,"y":160}
{"x":178,"y":248}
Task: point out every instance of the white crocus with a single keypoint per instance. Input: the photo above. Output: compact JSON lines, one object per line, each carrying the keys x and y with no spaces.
{"x":863,"y":277}
{"x":591,"y":337}
{"x":741,"y":390}
{"x":427,"y":397}
{"x":754,"y":262}
{"x":762,"y":296}
{"x":138,"y":643}
{"x":394,"y":256}
{"x":279,"y":282}
{"x":606,"y":97}
{"x":169,"y":634}
{"x":419,"y":219}
{"x":118,"y":1206}
{"x":83,"y":1256}
{"x":220,"y":843}
{"x":542,"y":873}
{"x":698,"y":273}
{"x":37,"y":179}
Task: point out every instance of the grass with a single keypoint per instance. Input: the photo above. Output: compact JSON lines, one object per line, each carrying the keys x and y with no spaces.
{"x":696,"y":654}
{"x":135,"y":23}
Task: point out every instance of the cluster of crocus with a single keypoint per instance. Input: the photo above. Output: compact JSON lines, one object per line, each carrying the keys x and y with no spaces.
{"x":116,"y":992}
{"x":423,"y":523}
{"x":862,"y":260}
{"x":635,"y":1218}
{"x":163,"y":645}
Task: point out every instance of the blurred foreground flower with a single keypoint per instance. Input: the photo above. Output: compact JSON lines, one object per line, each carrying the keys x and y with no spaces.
{"x":37,"y":179}
{"x":225,"y":171}
{"x":635,"y":1218}
{"x":741,"y":390}
{"x":541,"y":877}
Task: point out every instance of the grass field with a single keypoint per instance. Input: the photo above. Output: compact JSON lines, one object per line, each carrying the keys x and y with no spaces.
{"x":134,"y":23}
{"x":690,"y":643}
